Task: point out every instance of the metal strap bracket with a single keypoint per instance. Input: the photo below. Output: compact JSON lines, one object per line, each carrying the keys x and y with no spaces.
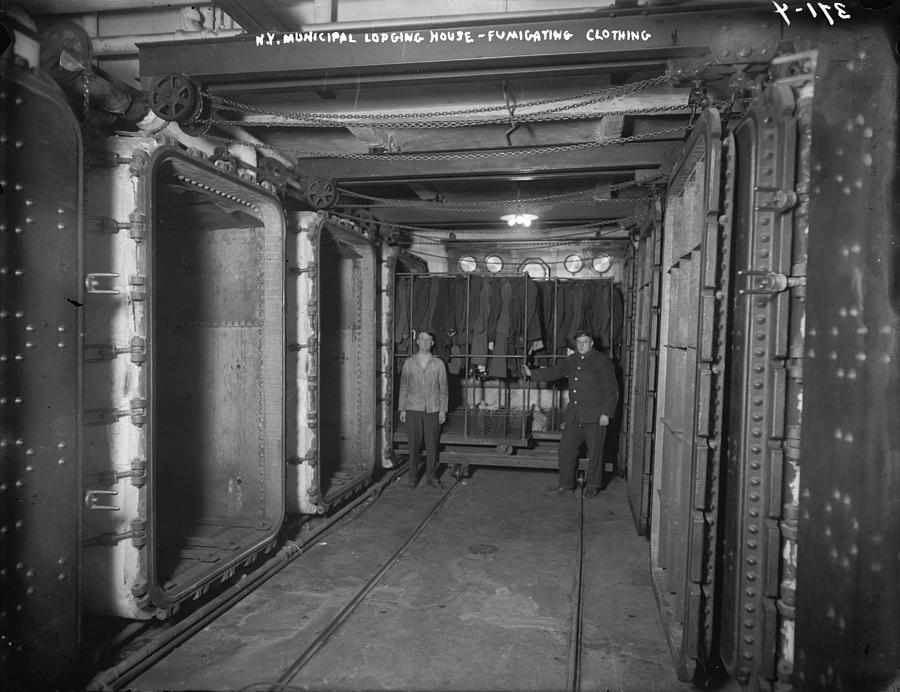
{"x":93,"y":499}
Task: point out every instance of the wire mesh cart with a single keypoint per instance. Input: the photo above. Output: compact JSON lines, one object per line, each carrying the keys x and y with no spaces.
{"x":496,"y":417}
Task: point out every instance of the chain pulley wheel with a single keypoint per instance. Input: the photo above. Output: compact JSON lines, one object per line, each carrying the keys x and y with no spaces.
{"x":390,"y":233}
{"x":322,"y":193}
{"x":196,"y":127}
{"x":273,"y":171}
{"x":367,"y":222}
{"x":224,"y":159}
{"x":174,"y":97}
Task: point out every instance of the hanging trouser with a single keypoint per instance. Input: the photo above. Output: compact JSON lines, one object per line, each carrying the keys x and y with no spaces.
{"x":421,"y":425}
{"x":573,"y":435}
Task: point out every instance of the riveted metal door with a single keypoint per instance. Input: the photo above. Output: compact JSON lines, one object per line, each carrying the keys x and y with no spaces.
{"x":689,"y":406}
{"x":764,"y":382}
{"x":40,"y":381}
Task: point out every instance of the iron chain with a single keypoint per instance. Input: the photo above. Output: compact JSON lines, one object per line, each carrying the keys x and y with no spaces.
{"x":421,"y":119}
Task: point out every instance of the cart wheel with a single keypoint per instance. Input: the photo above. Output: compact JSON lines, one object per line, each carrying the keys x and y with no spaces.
{"x":504,"y":449}
{"x":458,"y":471}
{"x":579,"y":477}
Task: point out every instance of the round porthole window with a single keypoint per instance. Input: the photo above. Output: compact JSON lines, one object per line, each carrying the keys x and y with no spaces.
{"x":601,"y":263}
{"x":573,"y":264}
{"x":493,"y":263}
{"x":467,"y":263}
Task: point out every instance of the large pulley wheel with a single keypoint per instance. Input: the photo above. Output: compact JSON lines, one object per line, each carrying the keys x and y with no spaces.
{"x":322,"y":193}
{"x":174,"y":97}
{"x":272,"y":171}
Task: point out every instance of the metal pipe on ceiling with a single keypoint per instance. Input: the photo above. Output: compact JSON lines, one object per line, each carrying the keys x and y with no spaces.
{"x":46,"y":7}
{"x":108,"y":46}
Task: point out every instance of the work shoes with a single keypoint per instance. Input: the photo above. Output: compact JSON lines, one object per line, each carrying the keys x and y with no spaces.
{"x":568,"y":492}
{"x":591,"y":492}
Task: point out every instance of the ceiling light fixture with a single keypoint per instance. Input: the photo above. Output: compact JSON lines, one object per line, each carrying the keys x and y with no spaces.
{"x":519,"y":219}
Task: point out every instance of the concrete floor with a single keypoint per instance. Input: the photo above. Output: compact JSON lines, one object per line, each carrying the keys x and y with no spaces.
{"x":481,"y":600}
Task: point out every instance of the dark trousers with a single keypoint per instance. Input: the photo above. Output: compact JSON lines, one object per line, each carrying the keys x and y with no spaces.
{"x":422,"y":425}
{"x":573,"y":435}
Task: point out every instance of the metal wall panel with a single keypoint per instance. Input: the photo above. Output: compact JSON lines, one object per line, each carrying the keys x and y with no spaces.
{"x":40,"y":381}
{"x":848,"y":601}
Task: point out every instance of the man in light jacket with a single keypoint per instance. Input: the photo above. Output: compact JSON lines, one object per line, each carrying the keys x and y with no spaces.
{"x":423,"y":407}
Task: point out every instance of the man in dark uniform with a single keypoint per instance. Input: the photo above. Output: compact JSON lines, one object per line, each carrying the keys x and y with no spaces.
{"x":593,"y":395}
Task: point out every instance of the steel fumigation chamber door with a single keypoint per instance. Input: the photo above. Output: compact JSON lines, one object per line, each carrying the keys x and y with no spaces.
{"x":216,"y":317}
{"x":760,"y":492}
{"x":40,"y":381}
{"x":184,"y":359}
{"x":690,"y":400}
{"x":348,"y":324}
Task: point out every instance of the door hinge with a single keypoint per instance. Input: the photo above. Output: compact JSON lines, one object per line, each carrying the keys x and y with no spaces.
{"x":104,"y":159}
{"x":137,"y":533}
{"x":137,"y":350}
{"x":137,"y":410}
{"x":106,"y":224}
{"x":138,"y":286}
{"x":137,"y":473}
{"x":775,"y":199}
{"x":771,"y":283}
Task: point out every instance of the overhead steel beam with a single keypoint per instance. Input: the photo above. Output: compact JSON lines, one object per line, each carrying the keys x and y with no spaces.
{"x":331,"y":81}
{"x":473,"y":165}
{"x":257,"y":15}
{"x":607,"y":35}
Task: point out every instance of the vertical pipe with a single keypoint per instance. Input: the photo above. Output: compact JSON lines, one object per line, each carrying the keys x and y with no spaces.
{"x":466,"y":361}
{"x":788,"y":525}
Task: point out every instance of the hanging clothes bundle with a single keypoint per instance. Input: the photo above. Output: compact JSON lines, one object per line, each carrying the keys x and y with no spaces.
{"x":487,"y":323}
